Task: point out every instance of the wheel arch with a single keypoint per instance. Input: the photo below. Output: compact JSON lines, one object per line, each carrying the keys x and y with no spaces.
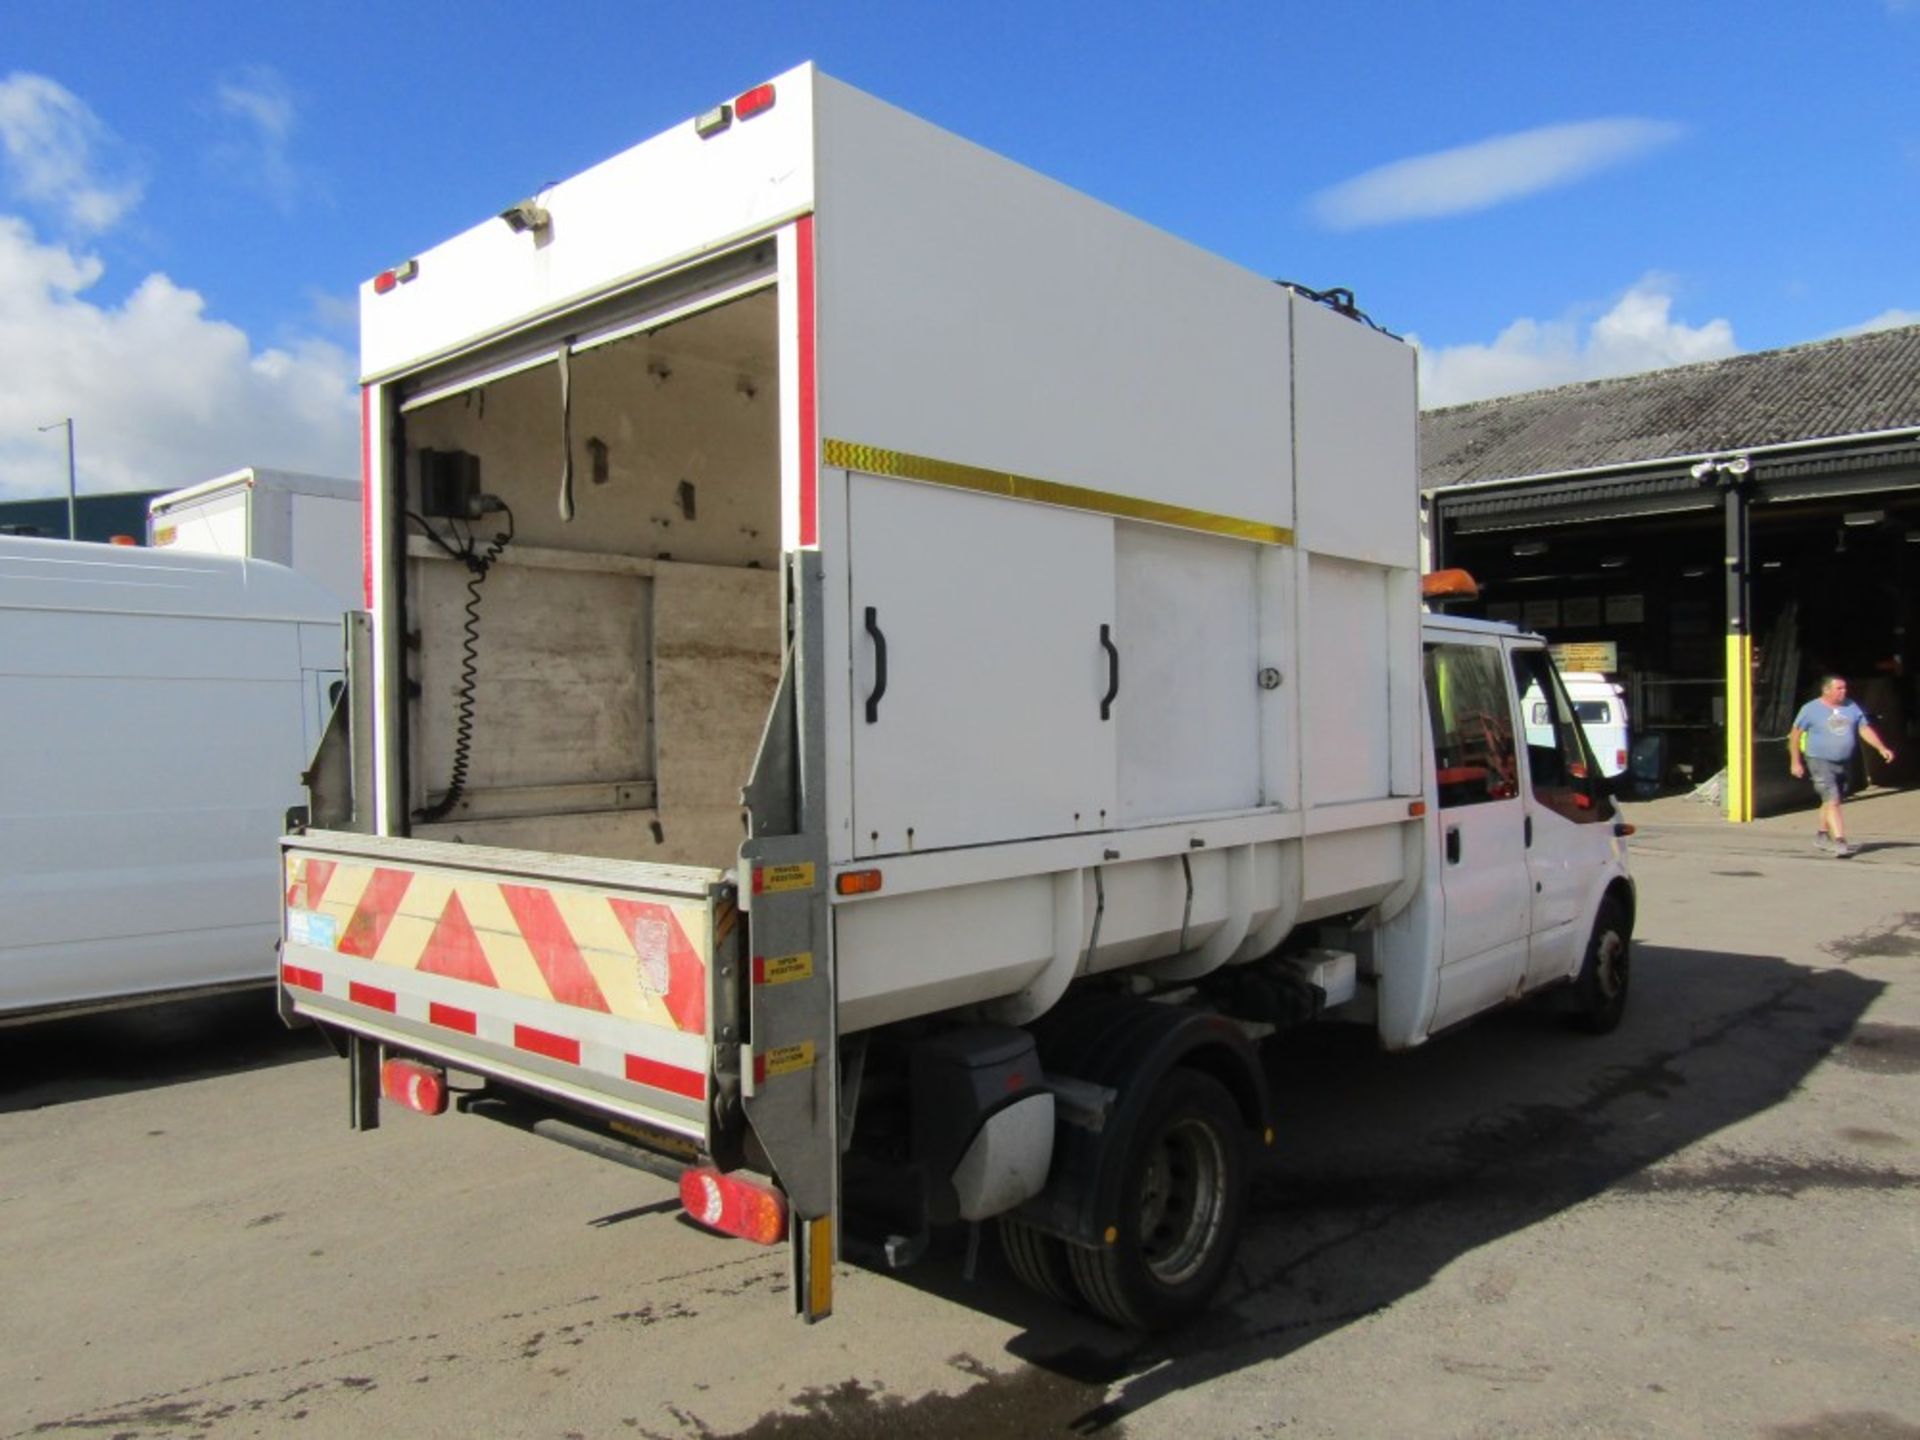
{"x":1130,"y":1046}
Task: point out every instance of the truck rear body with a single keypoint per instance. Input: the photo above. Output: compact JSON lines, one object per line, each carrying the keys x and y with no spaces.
{"x":831,"y":588}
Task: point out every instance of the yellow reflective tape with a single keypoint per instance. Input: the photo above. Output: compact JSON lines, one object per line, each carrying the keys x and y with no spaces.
{"x":896,"y":465}
{"x":782,"y":969}
{"x":819,"y":1268}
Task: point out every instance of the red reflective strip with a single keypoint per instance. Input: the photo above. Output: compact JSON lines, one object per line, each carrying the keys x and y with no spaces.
{"x":554,"y":949}
{"x":809,"y":428}
{"x":366,"y":494}
{"x":376,"y":911}
{"x":449,"y":1017}
{"x":686,"y":995}
{"x":370,"y":996}
{"x":305,"y":979}
{"x":670,"y":1078}
{"x":554,"y":1047}
{"x":453,"y":950}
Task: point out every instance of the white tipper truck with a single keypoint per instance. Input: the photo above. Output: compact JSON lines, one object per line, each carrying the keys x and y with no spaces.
{"x":884,"y":679}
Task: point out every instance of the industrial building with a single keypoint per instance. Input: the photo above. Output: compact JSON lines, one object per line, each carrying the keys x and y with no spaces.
{"x":1714,"y":536}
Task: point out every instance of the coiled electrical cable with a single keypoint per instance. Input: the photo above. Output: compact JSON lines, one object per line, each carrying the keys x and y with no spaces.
{"x":478,"y":562}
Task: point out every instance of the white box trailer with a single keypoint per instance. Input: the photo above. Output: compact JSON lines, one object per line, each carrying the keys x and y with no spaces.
{"x":885,"y":673}
{"x":157,"y":709}
{"x":309,"y":523}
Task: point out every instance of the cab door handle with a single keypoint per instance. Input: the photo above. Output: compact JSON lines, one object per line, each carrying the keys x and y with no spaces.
{"x":1453,"y":844}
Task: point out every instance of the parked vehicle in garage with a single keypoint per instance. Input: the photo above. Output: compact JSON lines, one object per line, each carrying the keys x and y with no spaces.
{"x":1600,"y":706}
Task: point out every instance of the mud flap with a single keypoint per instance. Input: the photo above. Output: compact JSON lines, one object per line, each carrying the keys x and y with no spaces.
{"x":790,"y":1064}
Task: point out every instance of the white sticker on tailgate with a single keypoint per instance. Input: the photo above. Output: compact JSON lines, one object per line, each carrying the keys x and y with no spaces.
{"x":313,"y":929}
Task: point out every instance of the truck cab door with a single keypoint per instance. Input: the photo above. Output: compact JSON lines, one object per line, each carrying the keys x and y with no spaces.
{"x":1484,"y":884}
{"x":1568,"y":820}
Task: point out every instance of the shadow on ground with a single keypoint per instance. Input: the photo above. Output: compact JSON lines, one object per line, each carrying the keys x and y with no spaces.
{"x":1391,"y":1167}
{"x":60,"y":1060}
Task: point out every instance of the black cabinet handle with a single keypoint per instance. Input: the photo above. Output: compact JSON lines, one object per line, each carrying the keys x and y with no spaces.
{"x":1113,"y":671}
{"x":879,"y":665}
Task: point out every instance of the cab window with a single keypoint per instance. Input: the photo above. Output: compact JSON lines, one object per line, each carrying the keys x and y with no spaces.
{"x":1559,"y":768}
{"x":1473,"y":751}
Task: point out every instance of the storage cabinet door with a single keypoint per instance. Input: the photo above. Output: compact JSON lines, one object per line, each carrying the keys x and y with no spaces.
{"x":979,"y":669}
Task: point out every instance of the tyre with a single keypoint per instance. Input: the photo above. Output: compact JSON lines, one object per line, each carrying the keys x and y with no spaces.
{"x":1182,"y":1195}
{"x":1600,"y":990}
{"x":1038,"y":1260}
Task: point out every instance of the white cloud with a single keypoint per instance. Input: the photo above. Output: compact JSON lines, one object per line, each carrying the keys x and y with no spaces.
{"x":1488,"y":172}
{"x":161,"y":394}
{"x":261,"y":101}
{"x":1885,"y":320}
{"x":1637,"y":334}
{"x":60,"y":156}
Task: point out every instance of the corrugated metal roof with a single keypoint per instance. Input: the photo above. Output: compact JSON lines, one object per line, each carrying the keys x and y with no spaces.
{"x":1857,"y":385}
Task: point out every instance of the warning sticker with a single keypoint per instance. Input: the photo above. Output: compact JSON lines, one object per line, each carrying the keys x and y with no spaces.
{"x":780,"y":969}
{"x":787,"y":1059}
{"x":313,"y":929}
{"x":772,"y":879}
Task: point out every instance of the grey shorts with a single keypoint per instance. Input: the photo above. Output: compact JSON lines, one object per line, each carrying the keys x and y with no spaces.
{"x":1829,"y":777}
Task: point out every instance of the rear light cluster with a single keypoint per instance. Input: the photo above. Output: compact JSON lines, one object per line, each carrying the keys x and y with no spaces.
{"x":416,"y":1086}
{"x":733,"y":1206}
{"x":743,"y":107}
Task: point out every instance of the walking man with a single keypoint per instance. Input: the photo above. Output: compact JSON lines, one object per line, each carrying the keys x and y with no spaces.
{"x":1820,"y":746}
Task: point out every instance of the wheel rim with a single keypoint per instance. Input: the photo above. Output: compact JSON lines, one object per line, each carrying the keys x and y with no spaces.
{"x":1182,"y":1197}
{"x":1610,"y":965}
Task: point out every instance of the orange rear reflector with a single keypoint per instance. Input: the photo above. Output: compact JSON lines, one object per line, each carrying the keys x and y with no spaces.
{"x":1416,"y":808}
{"x":857,"y":882}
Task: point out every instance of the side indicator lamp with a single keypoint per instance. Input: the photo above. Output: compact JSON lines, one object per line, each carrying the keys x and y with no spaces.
{"x":734,"y":1207}
{"x":1416,"y":808}
{"x":858,"y":882}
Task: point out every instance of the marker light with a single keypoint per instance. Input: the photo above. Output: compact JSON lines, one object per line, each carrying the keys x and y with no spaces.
{"x":713,"y":122}
{"x":398,"y":275}
{"x":734,"y":1207}
{"x":857,"y":882}
{"x":416,"y":1086}
{"x":753,"y":102}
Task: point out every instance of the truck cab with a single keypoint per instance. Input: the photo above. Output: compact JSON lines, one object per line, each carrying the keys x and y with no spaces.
{"x":1530,"y":851}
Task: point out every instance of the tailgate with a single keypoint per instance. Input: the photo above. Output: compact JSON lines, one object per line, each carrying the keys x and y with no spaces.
{"x":595,"y":981}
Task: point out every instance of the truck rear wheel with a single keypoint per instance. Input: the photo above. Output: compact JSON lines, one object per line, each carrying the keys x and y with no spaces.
{"x":1182,"y":1196}
{"x":1600,"y":991}
{"x":1038,"y":1260}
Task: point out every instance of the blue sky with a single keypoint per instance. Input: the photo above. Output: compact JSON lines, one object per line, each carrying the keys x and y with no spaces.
{"x":1537,"y":193}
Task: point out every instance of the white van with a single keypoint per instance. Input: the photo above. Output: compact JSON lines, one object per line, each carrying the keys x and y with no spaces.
{"x":157,"y":711}
{"x":1601,"y":708}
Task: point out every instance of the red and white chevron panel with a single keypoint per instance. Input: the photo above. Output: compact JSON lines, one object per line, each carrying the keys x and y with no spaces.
{"x":583,"y":977}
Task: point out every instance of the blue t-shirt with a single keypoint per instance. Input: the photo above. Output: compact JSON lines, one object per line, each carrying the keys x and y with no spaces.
{"x":1831,"y":729}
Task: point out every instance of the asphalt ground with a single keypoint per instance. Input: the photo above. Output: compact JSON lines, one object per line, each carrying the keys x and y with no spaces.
{"x":1702,"y":1225}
